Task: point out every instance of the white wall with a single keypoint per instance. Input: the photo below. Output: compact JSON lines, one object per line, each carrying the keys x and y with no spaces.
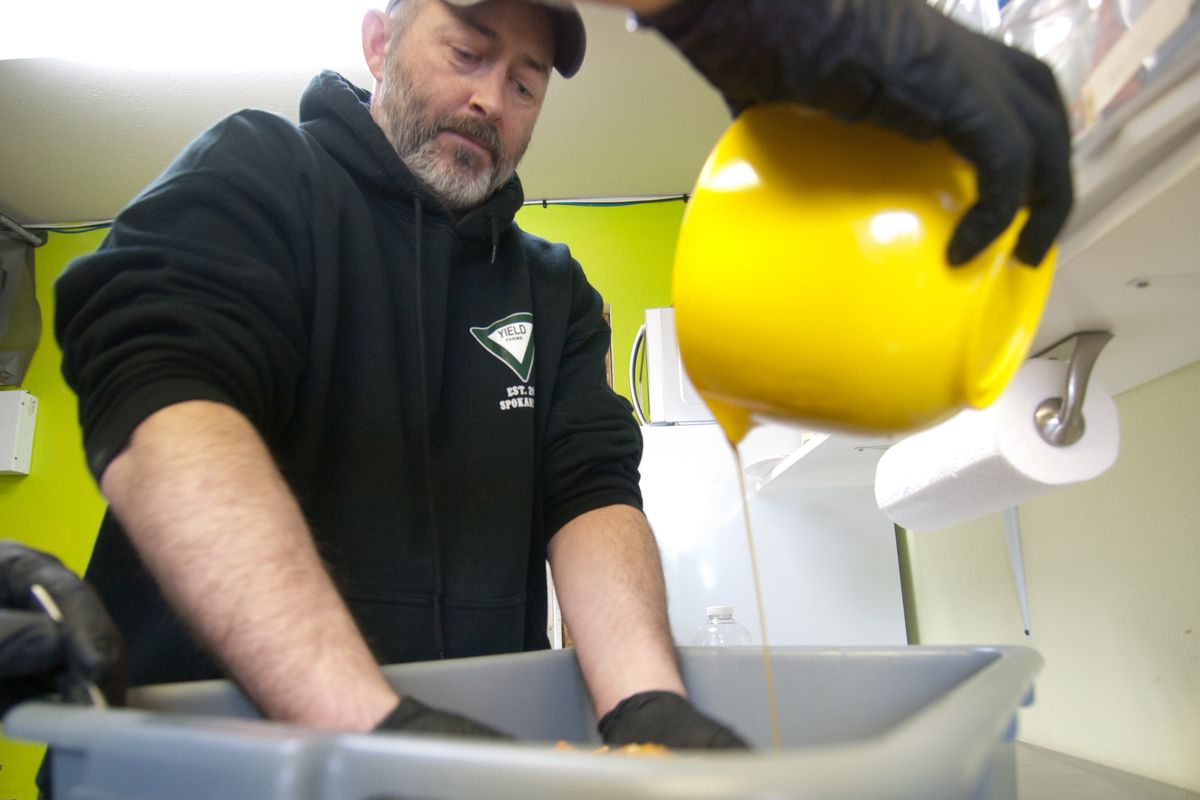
{"x":1113,"y":571}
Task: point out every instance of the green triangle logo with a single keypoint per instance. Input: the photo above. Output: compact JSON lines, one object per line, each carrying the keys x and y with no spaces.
{"x":510,"y":340}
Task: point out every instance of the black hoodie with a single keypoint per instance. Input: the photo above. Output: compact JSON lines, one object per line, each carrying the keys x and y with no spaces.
{"x":433,"y":390}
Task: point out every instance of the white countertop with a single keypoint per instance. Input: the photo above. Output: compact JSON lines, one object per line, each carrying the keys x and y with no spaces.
{"x":1047,"y":775}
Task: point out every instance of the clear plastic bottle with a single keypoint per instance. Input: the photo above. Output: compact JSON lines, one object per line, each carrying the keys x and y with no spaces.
{"x":721,"y":629}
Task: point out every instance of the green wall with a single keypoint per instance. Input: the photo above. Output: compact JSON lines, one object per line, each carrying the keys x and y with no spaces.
{"x":56,"y":507}
{"x":626,"y":252}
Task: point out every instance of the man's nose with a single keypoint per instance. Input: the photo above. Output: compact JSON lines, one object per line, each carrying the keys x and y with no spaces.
{"x":487,"y":94}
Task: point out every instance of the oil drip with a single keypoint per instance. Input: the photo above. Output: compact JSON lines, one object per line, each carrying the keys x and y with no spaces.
{"x":768,"y":672}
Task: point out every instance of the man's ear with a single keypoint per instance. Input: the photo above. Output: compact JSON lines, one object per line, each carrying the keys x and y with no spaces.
{"x":376,"y":33}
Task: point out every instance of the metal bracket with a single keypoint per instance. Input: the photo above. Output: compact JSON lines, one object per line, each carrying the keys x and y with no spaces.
{"x":1060,"y":420}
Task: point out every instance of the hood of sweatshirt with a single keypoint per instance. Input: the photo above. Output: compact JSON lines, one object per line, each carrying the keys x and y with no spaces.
{"x":338,"y":112}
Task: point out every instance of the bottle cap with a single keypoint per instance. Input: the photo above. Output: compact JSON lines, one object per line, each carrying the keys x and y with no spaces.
{"x":719,"y":611}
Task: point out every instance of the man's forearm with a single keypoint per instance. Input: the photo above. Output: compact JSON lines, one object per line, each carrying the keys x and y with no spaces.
{"x":212,"y":518}
{"x":610,"y":585}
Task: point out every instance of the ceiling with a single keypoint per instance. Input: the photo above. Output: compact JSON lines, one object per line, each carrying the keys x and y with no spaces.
{"x":77,"y":142}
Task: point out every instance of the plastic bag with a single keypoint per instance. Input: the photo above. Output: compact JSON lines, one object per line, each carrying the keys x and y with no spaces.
{"x":1103,"y":52}
{"x":982,"y":16}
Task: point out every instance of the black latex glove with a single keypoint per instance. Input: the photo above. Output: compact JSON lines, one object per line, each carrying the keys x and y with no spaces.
{"x":665,"y":718}
{"x":902,"y":65}
{"x":413,"y":716}
{"x":39,"y":656}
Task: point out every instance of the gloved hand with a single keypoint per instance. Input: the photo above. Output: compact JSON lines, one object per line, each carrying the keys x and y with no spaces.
{"x":39,"y":655}
{"x":413,"y":716}
{"x":665,"y":718}
{"x":902,"y":65}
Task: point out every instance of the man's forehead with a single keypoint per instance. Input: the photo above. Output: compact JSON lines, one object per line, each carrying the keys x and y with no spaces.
{"x":567,"y":39}
{"x":534,"y":27}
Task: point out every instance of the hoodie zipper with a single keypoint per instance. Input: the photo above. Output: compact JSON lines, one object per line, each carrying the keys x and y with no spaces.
{"x":439,"y":634}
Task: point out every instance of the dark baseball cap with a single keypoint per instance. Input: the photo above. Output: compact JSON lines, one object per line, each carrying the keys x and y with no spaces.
{"x":570,"y":39}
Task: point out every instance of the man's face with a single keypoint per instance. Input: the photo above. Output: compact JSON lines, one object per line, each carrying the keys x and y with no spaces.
{"x":461,"y":92}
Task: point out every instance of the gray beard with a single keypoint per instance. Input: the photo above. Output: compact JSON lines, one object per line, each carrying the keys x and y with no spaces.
{"x":460,"y":182}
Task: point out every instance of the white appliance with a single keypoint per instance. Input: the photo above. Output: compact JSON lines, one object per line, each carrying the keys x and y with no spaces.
{"x":669,"y":391}
{"x":826,"y":555}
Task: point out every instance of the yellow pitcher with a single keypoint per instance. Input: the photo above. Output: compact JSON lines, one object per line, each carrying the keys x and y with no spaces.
{"x":811,"y":282}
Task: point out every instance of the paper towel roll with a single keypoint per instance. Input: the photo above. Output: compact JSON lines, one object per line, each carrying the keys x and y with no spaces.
{"x":983,"y":461}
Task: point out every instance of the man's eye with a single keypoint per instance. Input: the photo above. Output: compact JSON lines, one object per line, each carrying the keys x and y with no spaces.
{"x":523,"y":90}
{"x":466,"y":56}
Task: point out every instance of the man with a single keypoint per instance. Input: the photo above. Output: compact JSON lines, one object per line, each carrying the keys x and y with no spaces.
{"x":296,"y":355}
{"x":313,"y":332}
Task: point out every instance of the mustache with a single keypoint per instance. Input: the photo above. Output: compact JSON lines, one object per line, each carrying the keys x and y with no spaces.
{"x":472,"y":128}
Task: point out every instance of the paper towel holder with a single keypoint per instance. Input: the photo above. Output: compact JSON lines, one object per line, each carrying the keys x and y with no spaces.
{"x":1060,"y":420}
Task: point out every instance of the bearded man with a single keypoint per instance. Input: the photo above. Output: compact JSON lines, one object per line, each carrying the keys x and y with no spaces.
{"x":344,"y":409}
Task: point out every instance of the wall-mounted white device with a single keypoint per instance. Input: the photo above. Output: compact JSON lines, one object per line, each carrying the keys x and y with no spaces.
{"x":18,"y":412}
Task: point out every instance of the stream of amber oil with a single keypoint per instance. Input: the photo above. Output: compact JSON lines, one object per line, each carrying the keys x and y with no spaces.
{"x":772,"y":700}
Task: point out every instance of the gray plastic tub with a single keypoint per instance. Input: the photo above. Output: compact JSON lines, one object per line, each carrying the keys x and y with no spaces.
{"x":916,"y":722}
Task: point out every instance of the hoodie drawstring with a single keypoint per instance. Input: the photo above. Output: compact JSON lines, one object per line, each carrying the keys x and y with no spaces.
{"x":495,"y":236}
{"x":439,"y":634}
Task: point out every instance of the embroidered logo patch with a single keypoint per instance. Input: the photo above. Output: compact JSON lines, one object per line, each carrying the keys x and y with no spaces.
{"x":510,"y":340}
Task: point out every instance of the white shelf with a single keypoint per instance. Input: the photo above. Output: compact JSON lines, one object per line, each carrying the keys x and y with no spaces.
{"x":1127,"y":259}
{"x":825,"y":461}
{"x":1126,"y":162}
